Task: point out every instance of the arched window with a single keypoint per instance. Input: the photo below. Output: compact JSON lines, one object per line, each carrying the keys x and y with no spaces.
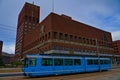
{"x":60,"y":36}
{"x":55,"y":35}
{"x":66,"y":36}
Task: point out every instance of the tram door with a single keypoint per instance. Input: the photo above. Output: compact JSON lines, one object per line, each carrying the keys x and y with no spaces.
{"x":58,"y":65}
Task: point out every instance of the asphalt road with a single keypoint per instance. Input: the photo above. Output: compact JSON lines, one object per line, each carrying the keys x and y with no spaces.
{"x":11,"y":74}
{"x":113,"y":74}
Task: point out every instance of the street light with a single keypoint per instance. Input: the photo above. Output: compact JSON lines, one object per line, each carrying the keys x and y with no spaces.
{"x":97,"y":46}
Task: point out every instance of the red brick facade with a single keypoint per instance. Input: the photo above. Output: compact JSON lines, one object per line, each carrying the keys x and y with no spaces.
{"x":116,"y":46}
{"x":27,"y":21}
{"x":62,"y":35}
{"x":66,"y":33}
{"x":1,"y":45}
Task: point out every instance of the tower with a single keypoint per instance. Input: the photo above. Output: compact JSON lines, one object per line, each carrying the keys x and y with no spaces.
{"x":27,"y":21}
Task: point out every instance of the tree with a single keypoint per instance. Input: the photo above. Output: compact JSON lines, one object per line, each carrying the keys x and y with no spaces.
{"x":16,"y":63}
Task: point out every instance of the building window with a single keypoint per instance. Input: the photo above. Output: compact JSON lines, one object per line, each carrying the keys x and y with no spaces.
{"x":80,"y":40}
{"x":91,"y":41}
{"x":75,"y":39}
{"x":84,"y":40}
{"x":72,"y":49}
{"x":104,"y":36}
{"x":66,"y":36}
{"x":37,"y":20}
{"x":60,"y":36}
{"x":55,"y":47}
{"x":61,"y":48}
{"x":26,"y":18}
{"x":66,"y":49}
{"x":29,"y":18}
{"x":94,"y":42}
{"x":71,"y":37}
{"x":33,"y":19}
{"x":49,"y":35}
{"x":87,"y":40}
{"x":81,"y":50}
{"x":45,"y":36}
{"x":76,"y":49}
{"x":29,"y":27}
{"x":55,"y":35}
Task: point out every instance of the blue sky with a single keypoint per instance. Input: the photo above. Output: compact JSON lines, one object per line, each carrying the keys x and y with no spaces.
{"x":102,"y":14}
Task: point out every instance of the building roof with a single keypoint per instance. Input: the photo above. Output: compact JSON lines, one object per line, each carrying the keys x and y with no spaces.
{"x":7,"y":54}
{"x":65,"y":17}
{"x":116,"y":41}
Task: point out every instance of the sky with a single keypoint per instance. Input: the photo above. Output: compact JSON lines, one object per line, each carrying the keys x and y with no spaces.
{"x":102,"y":14}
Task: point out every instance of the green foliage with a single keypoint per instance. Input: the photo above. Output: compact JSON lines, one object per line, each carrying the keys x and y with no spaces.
{"x":16,"y":63}
{"x":1,"y":62}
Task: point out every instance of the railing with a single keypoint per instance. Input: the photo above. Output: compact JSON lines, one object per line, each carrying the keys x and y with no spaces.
{"x":75,"y":52}
{"x":66,"y":42}
{"x":10,"y":70}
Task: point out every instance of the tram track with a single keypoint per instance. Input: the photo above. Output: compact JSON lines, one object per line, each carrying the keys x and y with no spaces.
{"x":21,"y":73}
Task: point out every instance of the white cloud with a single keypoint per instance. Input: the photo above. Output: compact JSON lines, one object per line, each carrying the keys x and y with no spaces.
{"x":95,"y":12}
{"x":10,"y":48}
{"x":116,"y":35}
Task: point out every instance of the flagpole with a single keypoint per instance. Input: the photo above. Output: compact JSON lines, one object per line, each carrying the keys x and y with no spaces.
{"x":52,"y":5}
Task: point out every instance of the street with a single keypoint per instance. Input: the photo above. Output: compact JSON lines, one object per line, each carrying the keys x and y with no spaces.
{"x":113,"y":74}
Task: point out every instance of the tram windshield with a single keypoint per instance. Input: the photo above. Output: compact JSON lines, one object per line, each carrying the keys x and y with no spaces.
{"x":25,"y":63}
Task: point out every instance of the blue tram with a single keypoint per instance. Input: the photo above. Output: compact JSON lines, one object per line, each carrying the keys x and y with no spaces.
{"x":41,"y":65}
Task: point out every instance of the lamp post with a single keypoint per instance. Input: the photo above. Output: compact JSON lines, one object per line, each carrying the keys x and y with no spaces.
{"x":97,"y":46}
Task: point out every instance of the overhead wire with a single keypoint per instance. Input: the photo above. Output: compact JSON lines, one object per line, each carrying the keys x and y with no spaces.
{"x":5,"y":32}
{"x":7,"y":25}
{"x":8,"y":34}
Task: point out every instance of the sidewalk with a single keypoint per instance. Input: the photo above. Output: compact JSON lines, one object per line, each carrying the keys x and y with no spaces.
{"x":115,"y":66}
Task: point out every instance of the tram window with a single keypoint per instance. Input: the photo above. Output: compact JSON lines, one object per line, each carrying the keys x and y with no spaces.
{"x":58,"y":62}
{"x":32,"y":62}
{"x":77,"y":62}
{"x":89,"y":61}
{"x":47,"y":62}
{"x":68,"y":62}
{"x":96,"y":62}
{"x":106,"y":62}
{"x":101,"y":62}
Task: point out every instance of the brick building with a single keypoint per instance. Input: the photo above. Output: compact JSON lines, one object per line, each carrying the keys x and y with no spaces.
{"x":27,"y":21}
{"x":60,"y":34}
{"x":1,"y":45}
{"x":7,"y":58}
{"x":116,"y":46}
